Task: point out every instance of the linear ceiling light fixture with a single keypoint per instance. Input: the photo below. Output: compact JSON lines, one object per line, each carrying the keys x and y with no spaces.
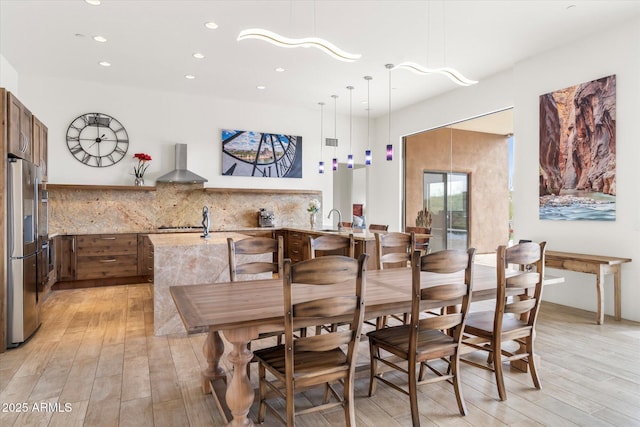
{"x":282,"y":41}
{"x":453,"y":74}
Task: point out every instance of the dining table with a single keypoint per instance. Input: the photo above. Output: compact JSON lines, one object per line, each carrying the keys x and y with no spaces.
{"x":242,"y":310}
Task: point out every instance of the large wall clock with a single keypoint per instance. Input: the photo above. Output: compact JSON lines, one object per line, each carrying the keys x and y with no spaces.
{"x":97,"y":140}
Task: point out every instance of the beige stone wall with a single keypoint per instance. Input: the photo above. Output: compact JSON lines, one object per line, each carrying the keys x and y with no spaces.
{"x":485,"y":157}
{"x":78,"y":210}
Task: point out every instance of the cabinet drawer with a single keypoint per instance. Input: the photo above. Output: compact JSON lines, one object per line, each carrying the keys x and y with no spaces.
{"x":103,"y":266}
{"x":107,"y":244}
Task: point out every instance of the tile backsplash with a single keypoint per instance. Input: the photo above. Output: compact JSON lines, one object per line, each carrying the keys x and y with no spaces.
{"x":78,"y":210}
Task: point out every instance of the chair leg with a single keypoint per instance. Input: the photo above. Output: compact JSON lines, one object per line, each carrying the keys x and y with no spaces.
{"x":532,"y":363}
{"x":454,"y":364}
{"x":349,"y":406}
{"x":290,"y":405}
{"x":413,"y":394}
{"x":373,"y":366}
{"x":497,"y":368}
{"x":262,"y":390}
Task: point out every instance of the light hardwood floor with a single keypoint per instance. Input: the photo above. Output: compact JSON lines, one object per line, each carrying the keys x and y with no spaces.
{"x":96,"y":353}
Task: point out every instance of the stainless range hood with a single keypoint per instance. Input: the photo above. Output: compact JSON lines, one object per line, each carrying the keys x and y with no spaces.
{"x":180,"y":174}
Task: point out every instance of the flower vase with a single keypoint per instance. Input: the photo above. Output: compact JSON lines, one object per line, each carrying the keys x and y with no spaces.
{"x":312,"y":220}
{"x":139,"y":182}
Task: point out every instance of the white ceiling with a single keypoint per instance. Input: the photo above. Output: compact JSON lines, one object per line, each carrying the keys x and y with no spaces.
{"x":150,"y":44}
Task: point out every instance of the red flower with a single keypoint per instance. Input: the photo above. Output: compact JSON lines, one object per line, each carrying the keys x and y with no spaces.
{"x":142,"y":166}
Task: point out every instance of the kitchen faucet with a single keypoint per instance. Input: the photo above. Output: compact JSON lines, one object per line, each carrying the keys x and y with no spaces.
{"x":339,"y":217}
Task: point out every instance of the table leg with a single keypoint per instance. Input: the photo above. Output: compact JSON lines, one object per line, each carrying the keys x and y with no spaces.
{"x":599,"y":290}
{"x":617,"y":291}
{"x":240,"y":394}
{"x":213,"y":349}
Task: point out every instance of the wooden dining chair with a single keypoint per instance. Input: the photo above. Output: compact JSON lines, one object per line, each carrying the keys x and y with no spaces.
{"x":253,"y":246}
{"x":318,"y":359}
{"x":514,"y":318}
{"x":333,"y":243}
{"x":378,"y":227}
{"x":428,"y":339}
{"x":422,"y":241}
{"x":347,"y":224}
{"x":394,"y":250}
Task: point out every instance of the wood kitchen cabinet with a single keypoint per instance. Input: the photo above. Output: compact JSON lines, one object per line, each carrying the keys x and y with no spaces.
{"x":65,"y":254}
{"x":145,"y":257}
{"x":295,"y":246}
{"x":19,"y":129}
{"x":40,"y":146}
{"x":106,"y":255}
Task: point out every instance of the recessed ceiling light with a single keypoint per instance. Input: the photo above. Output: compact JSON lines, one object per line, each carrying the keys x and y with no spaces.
{"x":198,"y":55}
{"x":189,"y":77}
{"x":100,"y":39}
{"x":93,"y":2}
{"x":261,"y":87}
{"x":105,"y":63}
{"x":280,"y":69}
{"x":211,"y":25}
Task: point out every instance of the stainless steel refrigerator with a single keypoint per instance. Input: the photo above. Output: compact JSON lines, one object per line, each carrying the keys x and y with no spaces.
{"x":23,"y":317}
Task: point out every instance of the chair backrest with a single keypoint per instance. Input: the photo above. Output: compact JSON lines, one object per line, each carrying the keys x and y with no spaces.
{"x":255,"y":246}
{"x":331,"y":242}
{"x":394,"y":249}
{"x":422,"y":241}
{"x":527,"y":257}
{"x":346,"y":224}
{"x":451,"y":279}
{"x":378,"y":227}
{"x":343,"y":281}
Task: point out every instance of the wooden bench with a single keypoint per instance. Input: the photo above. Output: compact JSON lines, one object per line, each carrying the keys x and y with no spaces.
{"x":594,"y":264}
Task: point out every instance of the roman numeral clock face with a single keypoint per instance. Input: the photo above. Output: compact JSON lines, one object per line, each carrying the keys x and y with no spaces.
{"x":97,"y":140}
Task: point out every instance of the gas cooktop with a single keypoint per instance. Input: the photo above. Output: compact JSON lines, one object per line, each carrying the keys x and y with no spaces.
{"x":180,"y":228}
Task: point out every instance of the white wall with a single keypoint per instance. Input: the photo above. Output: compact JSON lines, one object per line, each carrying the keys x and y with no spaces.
{"x":156,"y":121}
{"x":8,"y":76}
{"x":615,"y":51}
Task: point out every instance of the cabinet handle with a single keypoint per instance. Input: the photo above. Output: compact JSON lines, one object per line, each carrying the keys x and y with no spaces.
{"x":23,"y":142}
{"x":73,"y":244}
{"x":107,"y":238}
{"x":108,"y":260}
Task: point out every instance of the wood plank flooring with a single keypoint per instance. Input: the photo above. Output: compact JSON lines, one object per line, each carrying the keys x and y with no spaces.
{"x":95,"y":362}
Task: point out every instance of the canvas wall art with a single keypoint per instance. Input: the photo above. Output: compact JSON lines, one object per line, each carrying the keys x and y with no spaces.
{"x":249,"y":153}
{"x":578,"y":152}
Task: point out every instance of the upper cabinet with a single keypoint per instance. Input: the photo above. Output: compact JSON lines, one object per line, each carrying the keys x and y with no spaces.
{"x":40,"y":135}
{"x":19,"y":129}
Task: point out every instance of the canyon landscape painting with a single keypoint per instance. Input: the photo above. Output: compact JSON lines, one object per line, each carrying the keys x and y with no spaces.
{"x":578,"y":152}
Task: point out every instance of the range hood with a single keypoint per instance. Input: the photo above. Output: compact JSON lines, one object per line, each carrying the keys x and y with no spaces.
{"x":180,"y":174}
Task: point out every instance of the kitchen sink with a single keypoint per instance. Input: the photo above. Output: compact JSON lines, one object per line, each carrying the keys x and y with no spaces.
{"x":330,"y":230}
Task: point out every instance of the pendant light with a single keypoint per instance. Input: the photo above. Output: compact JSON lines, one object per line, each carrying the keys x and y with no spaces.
{"x":389,"y":67}
{"x":321,"y":163}
{"x":367,"y":153}
{"x":350,"y":156}
{"x":335,"y":137}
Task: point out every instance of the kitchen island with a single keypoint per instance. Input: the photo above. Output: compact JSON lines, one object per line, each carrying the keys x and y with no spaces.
{"x":187,"y":259}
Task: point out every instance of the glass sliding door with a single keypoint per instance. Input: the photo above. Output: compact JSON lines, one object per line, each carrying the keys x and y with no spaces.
{"x":446,"y":196}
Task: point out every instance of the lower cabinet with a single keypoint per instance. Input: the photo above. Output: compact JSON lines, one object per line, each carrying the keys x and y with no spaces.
{"x":145,"y":257}
{"x":98,"y":259}
{"x":295,"y":246}
{"x":106,"y":255}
